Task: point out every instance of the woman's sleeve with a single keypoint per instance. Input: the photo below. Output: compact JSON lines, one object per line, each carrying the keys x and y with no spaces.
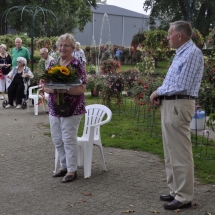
{"x":11,"y":72}
{"x":30,"y":73}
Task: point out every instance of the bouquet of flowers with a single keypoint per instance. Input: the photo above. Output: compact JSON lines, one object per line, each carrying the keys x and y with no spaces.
{"x":60,"y":77}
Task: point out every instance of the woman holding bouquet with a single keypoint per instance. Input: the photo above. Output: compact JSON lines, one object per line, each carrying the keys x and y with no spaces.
{"x":64,"y":125}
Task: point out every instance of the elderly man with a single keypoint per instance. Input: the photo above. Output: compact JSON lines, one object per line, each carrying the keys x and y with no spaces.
{"x":78,"y":53}
{"x":177,"y":98}
{"x":44,"y":53}
{"x":19,"y":51}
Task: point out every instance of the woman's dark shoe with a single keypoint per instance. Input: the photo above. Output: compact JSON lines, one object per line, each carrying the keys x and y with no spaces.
{"x":166,"y":198}
{"x":60,"y":173}
{"x":175,"y":204}
{"x":69,"y":178}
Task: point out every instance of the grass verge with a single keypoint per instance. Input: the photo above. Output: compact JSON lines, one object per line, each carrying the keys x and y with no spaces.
{"x":126,"y":132}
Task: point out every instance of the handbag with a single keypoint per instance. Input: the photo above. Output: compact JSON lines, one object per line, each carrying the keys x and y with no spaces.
{"x":63,"y":110}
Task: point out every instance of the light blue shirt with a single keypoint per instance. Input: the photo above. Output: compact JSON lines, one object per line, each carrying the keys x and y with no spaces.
{"x":185,"y":73}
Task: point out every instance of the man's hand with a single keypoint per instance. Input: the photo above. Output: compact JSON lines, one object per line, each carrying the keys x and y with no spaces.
{"x":154,"y":98}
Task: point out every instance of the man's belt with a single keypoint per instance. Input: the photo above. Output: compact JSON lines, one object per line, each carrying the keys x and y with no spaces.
{"x":174,"y":97}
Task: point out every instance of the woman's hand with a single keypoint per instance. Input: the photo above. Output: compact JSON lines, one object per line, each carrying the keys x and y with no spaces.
{"x":9,"y":76}
{"x":25,"y":75}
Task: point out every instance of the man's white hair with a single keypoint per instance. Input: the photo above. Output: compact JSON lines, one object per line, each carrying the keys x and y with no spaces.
{"x":18,"y":38}
{"x":77,"y":43}
{"x":44,"y":50}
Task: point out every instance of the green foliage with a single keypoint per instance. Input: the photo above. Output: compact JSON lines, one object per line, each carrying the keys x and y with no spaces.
{"x":144,"y":86}
{"x":70,"y":15}
{"x":127,"y":135}
{"x":43,"y":42}
{"x":198,"y":38}
{"x":156,"y":44}
{"x":210,"y":39}
{"x":138,"y":39}
{"x":146,"y":65}
{"x":170,"y":11}
{"x":210,"y":122}
{"x":110,"y":66}
{"x":206,"y":98}
{"x":41,"y":65}
{"x":91,"y":69}
{"x":9,"y":40}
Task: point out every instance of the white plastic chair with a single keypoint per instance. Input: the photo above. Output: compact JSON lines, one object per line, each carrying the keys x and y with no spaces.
{"x":91,"y":136}
{"x":35,"y":97}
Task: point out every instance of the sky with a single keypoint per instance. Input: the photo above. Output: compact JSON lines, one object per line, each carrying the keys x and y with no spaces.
{"x":134,"y":5}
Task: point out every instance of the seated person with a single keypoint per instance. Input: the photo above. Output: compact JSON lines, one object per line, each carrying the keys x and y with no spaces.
{"x":44,"y":53}
{"x":19,"y":81}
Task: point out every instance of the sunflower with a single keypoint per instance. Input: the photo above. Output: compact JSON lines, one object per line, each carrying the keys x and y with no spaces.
{"x":64,"y":70}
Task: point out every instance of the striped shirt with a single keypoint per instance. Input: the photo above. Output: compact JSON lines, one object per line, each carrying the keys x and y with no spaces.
{"x":185,"y":73}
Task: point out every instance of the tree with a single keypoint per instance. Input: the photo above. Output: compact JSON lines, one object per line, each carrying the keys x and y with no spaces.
{"x":71,"y":15}
{"x":169,"y":11}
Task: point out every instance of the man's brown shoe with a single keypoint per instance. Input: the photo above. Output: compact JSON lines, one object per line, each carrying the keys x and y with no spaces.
{"x":175,"y":204}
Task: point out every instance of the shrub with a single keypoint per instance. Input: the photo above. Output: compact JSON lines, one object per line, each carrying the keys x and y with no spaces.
{"x":147,"y":64}
{"x":109,"y":66}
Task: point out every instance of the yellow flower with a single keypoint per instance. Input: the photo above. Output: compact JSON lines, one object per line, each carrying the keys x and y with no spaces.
{"x":64,"y":70}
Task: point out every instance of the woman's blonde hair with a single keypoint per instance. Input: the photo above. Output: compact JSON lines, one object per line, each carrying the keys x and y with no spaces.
{"x":66,"y":36}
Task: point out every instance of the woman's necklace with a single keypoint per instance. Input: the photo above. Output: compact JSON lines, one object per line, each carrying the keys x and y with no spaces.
{"x":65,"y":62}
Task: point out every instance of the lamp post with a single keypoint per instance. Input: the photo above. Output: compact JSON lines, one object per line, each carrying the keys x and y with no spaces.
{"x":32,"y":11}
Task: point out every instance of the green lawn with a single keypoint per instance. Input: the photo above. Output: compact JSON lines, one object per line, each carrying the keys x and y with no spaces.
{"x":127,"y":132}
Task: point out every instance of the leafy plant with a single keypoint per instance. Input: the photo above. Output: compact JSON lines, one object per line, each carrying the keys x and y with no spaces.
{"x":210,"y":39}
{"x":137,"y":40}
{"x":197,"y":38}
{"x":109,"y":66}
{"x":147,"y":64}
{"x":91,"y":69}
{"x":144,"y":86}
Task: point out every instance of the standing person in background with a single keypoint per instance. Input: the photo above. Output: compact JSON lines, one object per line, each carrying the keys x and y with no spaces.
{"x":118,"y":53}
{"x":78,"y":53}
{"x":177,"y":98}
{"x":5,"y":66}
{"x":44,"y":53}
{"x":19,"y":51}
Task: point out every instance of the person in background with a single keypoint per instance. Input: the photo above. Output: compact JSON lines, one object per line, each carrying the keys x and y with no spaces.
{"x":118,"y":53}
{"x":78,"y":53}
{"x":54,"y":52}
{"x":5,"y":66}
{"x":177,"y":98}
{"x":44,"y":53}
{"x":19,"y":51}
{"x":64,"y":128}
{"x":20,"y":80}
